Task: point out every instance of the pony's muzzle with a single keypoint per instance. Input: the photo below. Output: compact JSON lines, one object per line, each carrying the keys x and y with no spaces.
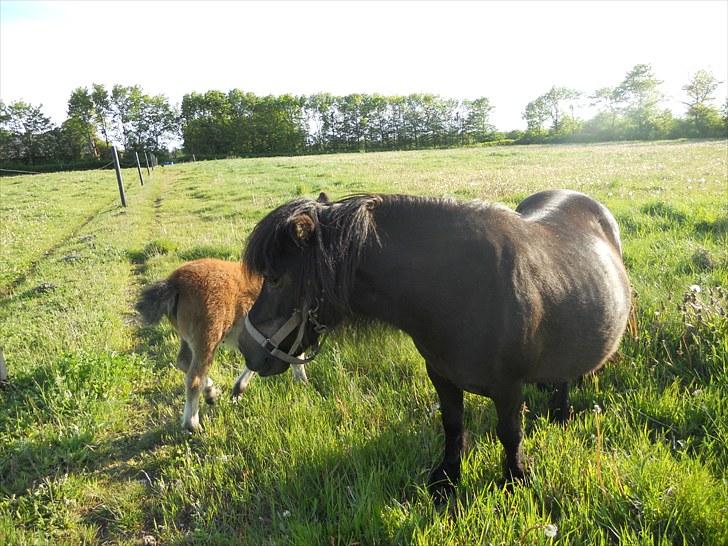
{"x":257,"y":358}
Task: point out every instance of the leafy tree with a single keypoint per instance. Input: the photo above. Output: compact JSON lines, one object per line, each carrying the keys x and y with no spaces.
{"x":206,"y":121}
{"x":640,"y":94}
{"x":536,"y":114}
{"x":553,"y":101}
{"x":609,"y":103}
{"x":81,"y":115}
{"x":102,"y":110}
{"x":477,"y":126}
{"x":158,"y":121}
{"x":126,"y":105}
{"x":702,"y":115}
{"x":27,"y":131}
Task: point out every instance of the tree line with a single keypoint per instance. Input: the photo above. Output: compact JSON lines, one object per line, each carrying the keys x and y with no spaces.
{"x":236,"y":123}
{"x":631,"y":110}
{"x":96,"y":118}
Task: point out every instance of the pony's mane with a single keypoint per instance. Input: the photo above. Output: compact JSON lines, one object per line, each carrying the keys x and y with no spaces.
{"x":329,"y":258}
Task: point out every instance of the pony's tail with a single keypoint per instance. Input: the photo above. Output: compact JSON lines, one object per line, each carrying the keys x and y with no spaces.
{"x":157,"y":300}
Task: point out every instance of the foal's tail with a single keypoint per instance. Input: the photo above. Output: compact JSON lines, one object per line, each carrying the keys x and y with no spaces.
{"x":157,"y":300}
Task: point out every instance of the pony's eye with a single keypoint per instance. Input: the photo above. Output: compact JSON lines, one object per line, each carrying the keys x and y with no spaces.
{"x":273,"y":280}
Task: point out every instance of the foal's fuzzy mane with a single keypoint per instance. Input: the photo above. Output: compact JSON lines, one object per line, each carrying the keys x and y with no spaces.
{"x":330,"y":256}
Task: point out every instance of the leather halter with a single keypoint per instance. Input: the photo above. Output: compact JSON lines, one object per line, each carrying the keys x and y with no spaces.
{"x":272,"y":344}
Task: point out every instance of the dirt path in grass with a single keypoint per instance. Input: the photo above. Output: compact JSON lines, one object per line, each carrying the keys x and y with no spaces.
{"x":7,"y":290}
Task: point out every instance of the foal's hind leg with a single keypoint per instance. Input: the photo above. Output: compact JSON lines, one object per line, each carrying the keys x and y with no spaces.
{"x":211,"y":392}
{"x":184,"y":356}
{"x":184,"y":359}
{"x":446,"y":475}
{"x":195,"y":381}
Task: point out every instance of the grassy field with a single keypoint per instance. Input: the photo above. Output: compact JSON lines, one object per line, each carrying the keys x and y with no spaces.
{"x":91,"y":450}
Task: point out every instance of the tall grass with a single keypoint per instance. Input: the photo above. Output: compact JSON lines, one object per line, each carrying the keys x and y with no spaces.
{"x":90,"y":445}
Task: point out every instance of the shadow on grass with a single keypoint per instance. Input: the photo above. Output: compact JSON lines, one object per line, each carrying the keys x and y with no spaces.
{"x":67,"y":429}
{"x":344,"y":492}
{"x":719,"y":227}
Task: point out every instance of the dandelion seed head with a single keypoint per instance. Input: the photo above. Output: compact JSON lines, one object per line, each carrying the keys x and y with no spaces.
{"x":550,"y":530}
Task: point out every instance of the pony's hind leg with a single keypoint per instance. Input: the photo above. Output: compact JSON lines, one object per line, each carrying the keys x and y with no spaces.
{"x":559,"y":407}
{"x":508,"y":400}
{"x":446,"y":475}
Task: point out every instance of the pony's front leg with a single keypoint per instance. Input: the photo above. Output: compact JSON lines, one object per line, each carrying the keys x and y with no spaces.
{"x":299,"y":373}
{"x":446,"y":475}
{"x":508,"y":400}
{"x":241,"y":383}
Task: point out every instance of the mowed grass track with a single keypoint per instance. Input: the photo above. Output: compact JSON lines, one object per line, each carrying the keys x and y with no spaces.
{"x":90,"y":446}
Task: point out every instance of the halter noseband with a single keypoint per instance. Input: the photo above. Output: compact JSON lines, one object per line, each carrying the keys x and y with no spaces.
{"x":271,"y":344}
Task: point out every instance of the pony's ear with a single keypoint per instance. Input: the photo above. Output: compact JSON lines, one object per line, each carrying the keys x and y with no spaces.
{"x":323,"y":198}
{"x":373,"y":202}
{"x":302,"y":226}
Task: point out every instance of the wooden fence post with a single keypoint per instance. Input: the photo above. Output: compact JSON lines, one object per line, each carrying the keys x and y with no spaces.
{"x":118,"y":176}
{"x":3,"y":367}
{"x":146,"y":159}
{"x":139,"y":168}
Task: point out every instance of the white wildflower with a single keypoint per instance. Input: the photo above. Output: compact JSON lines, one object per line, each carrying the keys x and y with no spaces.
{"x":695,"y":288}
{"x":597,"y":408}
{"x":286,"y":513}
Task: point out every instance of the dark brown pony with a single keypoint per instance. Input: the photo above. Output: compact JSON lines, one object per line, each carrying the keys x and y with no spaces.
{"x":493,"y":298}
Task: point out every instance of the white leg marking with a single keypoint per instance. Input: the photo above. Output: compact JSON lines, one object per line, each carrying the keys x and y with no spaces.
{"x":191,"y":416}
{"x":299,"y":373}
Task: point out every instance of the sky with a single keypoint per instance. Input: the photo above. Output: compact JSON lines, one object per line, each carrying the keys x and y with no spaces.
{"x":510,"y":52}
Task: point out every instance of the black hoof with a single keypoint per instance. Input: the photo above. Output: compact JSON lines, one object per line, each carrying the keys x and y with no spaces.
{"x":211,"y":395}
{"x":441,"y":483}
{"x":514,"y":476}
{"x":237,"y":391}
{"x":560,"y":416}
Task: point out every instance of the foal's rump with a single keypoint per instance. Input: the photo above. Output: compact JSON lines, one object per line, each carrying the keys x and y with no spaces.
{"x":584,"y":287}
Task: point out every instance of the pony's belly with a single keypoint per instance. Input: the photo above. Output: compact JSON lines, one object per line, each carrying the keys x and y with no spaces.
{"x":577,"y":353}
{"x":584,"y":327}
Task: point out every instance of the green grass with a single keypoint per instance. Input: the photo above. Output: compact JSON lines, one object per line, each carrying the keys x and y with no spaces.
{"x":90,"y":446}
